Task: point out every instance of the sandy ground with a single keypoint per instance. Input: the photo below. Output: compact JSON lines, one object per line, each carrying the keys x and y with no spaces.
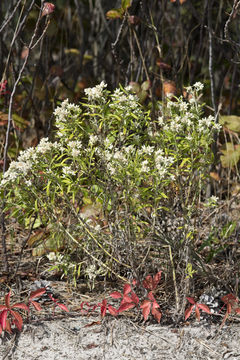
{"x":113,"y":339}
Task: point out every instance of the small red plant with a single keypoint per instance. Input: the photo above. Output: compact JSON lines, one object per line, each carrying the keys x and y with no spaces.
{"x":56,"y":303}
{"x":15,"y":317}
{"x":104,"y":307}
{"x":35,"y":294}
{"x":231,"y":302}
{"x":128,"y":301}
{"x":151,"y":283}
{"x":197,"y":308}
{"x":151,"y":305}
{"x":131,"y":300}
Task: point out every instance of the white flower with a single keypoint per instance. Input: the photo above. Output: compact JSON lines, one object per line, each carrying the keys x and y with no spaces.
{"x":183,"y":106}
{"x":28,"y":183}
{"x":93,"y":139}
{"x":198,"y":86}
{"x":146,"y":150}
{"x":68,"y":171}
{"x":75,"y":144}
{"x":118,"y":155}
{"x":217,"y":127}
{"x":160,"y":120}
{"x":145,"y":168}
{"x":75,"y":152}
{"x":51,"y":256}
{"x":43,"y":146}
{"x":96,"y":92}
{"x":212,"y":201}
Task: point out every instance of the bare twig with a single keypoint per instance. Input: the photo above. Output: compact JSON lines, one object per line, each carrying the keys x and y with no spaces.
{"x":11,"y":16}
{"x":211,"y":74}
{"x":226,"y":33}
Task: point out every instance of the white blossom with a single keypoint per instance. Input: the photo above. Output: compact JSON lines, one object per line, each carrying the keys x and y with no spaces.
{"x":96,"y":92}
{"x":93,"y":139}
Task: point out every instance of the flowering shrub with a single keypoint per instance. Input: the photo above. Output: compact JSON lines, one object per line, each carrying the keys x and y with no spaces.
{"x":100,"y":187}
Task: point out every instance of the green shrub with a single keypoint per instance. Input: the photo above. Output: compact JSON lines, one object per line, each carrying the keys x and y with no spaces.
{"x":100,"y":190}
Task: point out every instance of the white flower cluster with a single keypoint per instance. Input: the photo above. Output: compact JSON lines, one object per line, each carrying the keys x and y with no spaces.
{"x":185,"y":117}
{"x":16,"y":168}
{"x":67,"y":170}
{"x":126,"y":103}
{"x":163,"y":162}
{"x":75,"y":147}
{"x":208,"y":123}
{"x":198,"y":86}
{"x":26,"y":159}
{"x":96,"y":92}
{"x":63,"y":113}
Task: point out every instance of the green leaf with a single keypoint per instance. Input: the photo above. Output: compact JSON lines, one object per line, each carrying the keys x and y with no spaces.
{"x":231,"y":122}
{"x":146,"y":85}
{"x":135,"y":87}
{"x":126,"y":4}
{"x":19,"y":121}
{"x":48,"y":187}
{"x":231,"y":155}
{"x":115,"y":14}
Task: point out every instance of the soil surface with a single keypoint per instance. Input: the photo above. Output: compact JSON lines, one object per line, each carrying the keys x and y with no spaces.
{"x":84,"y":338}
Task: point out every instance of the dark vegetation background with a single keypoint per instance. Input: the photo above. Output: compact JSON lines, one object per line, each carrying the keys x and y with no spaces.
{"x":163,"y":41}
{"x":171,"y":43}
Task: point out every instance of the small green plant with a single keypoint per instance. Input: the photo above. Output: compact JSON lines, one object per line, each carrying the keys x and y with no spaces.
{"x":97,"y":192}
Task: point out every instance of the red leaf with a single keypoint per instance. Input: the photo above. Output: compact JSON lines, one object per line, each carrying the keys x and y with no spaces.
{"x":229,"y":298}
{"x":116,"y":295}
{"x":3,"y":307}
{"x":48,"y":8}
{"x":135,"y":298}
{"x":62,"y":306}
{"x":191,"y":300}
{"x":8,"y":327}
{"x":7,"y":299}
{"x":188,"y":311}
{"x":155,"y":305}
{"x":150,"y":296}
{"x":37,"y":293}
{"x":197,"y":313}
{"x":134,"y":282}
{"x":112,"y":310}
{"x":20,"y":306}
{"x":3,"y":319}
{"x":156,"y":279}
{"x":93,"y":323}
{"x":157,"y":314}
{"x":148,"y":283}
{"x":126,"y":299}
{"x":103,"y":307}
{"x":19,"y":320}
{"x":52,"y":298}
{"x":146,"y":307}
{"x":36,"y":305}
{"x":237,"y":311}
{"x":126,"y":306}
{"x":204,"y":307}
{"x":127,"y":289}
